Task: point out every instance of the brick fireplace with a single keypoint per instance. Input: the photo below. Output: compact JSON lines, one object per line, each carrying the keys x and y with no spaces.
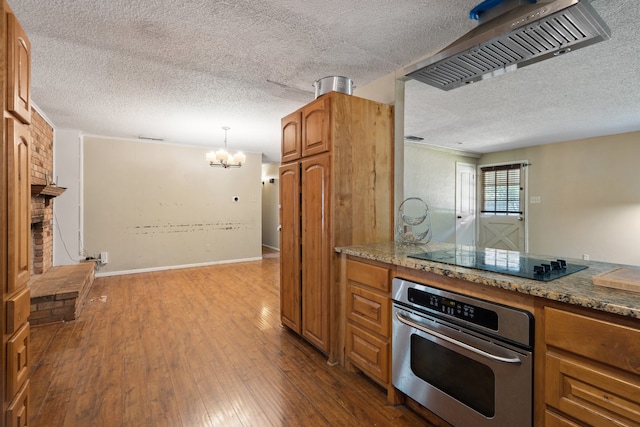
{"x":57,"y":293}
{"x":41,"y":205}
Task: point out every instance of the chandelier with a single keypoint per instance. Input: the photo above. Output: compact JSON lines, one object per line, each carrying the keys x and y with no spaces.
{"x":223,"y":158}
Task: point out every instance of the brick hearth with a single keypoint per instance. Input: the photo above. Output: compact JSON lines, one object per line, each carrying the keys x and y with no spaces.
{"x":60,"y":293}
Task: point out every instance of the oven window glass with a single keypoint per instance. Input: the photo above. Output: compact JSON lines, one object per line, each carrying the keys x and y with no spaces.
{"x":464,"y":379}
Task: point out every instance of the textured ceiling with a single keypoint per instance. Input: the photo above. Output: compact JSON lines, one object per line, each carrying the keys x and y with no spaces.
{"x":180,"y":70}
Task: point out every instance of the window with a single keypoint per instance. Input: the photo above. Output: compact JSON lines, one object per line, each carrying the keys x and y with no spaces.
{"x":501,"y":189}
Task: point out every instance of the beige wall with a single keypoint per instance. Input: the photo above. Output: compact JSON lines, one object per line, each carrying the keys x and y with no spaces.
{"x":270,"y":206}
{"x":153,"y":206}
{"x":590,"y":197}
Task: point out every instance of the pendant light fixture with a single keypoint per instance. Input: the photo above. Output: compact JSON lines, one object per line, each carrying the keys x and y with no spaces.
{"x":223,"y":158}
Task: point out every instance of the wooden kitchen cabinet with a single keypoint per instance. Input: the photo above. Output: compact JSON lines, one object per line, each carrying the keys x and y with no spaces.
{"x":368,"y":311}
{"x":290,"y":247}
{"x":291,"y":137}
{"x":18,"y":139}
{"x":305,"y":221}
{"x":315,"y":132}
{"x":18,"y":70}
{"x":338,"y":191}
{"x":316,"y":252}
{"x":592,"y":369}
{"x":15,"y":220}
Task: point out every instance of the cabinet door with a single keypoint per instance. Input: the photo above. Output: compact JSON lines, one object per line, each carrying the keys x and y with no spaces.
{"x":368,"y":352}
{"x":18,"y":410}
{"x":19,"y":70}
{"x":290,"y":246}
{"x":17,"y":360}
{"x":19,"y":204}
{"x":592,"y":372}
{"x":316,"y":250}
{"x":291,"y":137}
{"x":315,"y":127}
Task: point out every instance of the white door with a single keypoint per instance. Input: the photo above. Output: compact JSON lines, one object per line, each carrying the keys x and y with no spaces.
{"x":505,"y":228}
{"x":465,"y":204}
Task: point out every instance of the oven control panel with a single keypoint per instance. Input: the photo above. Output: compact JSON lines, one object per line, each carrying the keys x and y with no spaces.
{"x":454,"y":308}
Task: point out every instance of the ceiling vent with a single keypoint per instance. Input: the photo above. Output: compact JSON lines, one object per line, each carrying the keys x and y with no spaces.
{"x":525,"y":34}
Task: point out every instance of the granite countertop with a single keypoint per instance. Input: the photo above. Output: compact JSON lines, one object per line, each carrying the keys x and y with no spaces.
{"x":577,"y":288}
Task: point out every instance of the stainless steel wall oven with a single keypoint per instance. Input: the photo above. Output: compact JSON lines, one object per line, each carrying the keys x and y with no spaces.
{"x":467,"y":360}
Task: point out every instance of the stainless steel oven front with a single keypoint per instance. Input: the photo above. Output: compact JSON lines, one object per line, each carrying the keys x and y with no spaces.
{"x":469,"y":361}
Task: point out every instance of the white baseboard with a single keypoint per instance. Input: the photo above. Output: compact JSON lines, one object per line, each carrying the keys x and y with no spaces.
{"x":174,"y":267}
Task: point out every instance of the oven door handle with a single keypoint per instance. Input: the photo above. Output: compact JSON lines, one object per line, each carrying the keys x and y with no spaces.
{"x":407,"y":321}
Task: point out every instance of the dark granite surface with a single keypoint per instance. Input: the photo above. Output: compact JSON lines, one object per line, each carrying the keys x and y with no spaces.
{"x":577,"y":288}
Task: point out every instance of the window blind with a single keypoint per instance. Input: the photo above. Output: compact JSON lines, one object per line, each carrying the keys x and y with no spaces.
{"x":501,"y":189}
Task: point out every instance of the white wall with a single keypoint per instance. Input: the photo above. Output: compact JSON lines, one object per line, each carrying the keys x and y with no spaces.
{"x":67,"y":218}
{"x":270,"y":206}
{"x":155,"y":206}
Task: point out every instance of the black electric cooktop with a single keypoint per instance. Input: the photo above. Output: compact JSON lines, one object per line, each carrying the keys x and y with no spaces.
{"x":503,"y":261}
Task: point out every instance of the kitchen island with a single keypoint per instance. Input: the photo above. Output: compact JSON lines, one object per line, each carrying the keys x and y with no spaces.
{"x":587,"y":337}
{"x":576,"y":289}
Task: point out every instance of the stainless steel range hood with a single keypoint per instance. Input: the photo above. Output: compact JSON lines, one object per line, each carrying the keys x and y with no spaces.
{"x":523,"y":35}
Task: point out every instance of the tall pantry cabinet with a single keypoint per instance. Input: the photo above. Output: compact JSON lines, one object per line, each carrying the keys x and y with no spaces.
{"x":15,"y":219}
{"x":336,"y":189}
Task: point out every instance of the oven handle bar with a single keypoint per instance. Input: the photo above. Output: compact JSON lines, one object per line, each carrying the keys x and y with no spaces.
{"x":404,"y":319}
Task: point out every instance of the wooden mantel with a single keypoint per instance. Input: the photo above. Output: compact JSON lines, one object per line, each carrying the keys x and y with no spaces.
{"x":46,"y":190}
{"x":49,"y":191}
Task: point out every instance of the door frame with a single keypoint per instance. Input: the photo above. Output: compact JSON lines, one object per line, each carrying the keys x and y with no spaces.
{"x":475,"y":199}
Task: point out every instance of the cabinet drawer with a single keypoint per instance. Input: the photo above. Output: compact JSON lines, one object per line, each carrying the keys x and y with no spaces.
{"x":18,"y":410}
{"x":368,"y":309}
{"x":18,"y":360}
{"x":552,"y":419}
{"x":367,"y":274}
{"x":607,"y":342}
{"x":368,"y":352}
{"x":18,"y":310}
{"x":590,"y":392}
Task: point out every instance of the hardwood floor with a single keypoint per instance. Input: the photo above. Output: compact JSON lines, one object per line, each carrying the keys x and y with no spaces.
{"x":193,"y":347}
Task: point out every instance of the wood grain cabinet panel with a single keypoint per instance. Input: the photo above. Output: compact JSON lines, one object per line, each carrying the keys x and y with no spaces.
{"x":368,"y":328}
{"x":592,"y":370}
{"x":19,"y":202}
{"x":290,"y":246}
{"x":591,"y":393}
{"x":15,"y":217}
{"x":326,"y":201}
{"x":315,"y":127}
{"x":370,"y":275}
{"x":551,"y":419}
{"x":18,"y":310}
{"x":18,"y":70}
{"x":369,"y":309}
{"x":368,"y":352}
{"x":608,"y":342}
{"x":18,"y":410}
{"x":315,"y":243}
{"x":291,"y":137}
{"x":18,"y":360}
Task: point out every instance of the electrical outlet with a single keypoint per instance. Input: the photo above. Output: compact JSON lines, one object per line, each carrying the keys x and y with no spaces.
{"x":535,"y":199}
{"x":104,"y":257}
{"x":585,"y":257}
